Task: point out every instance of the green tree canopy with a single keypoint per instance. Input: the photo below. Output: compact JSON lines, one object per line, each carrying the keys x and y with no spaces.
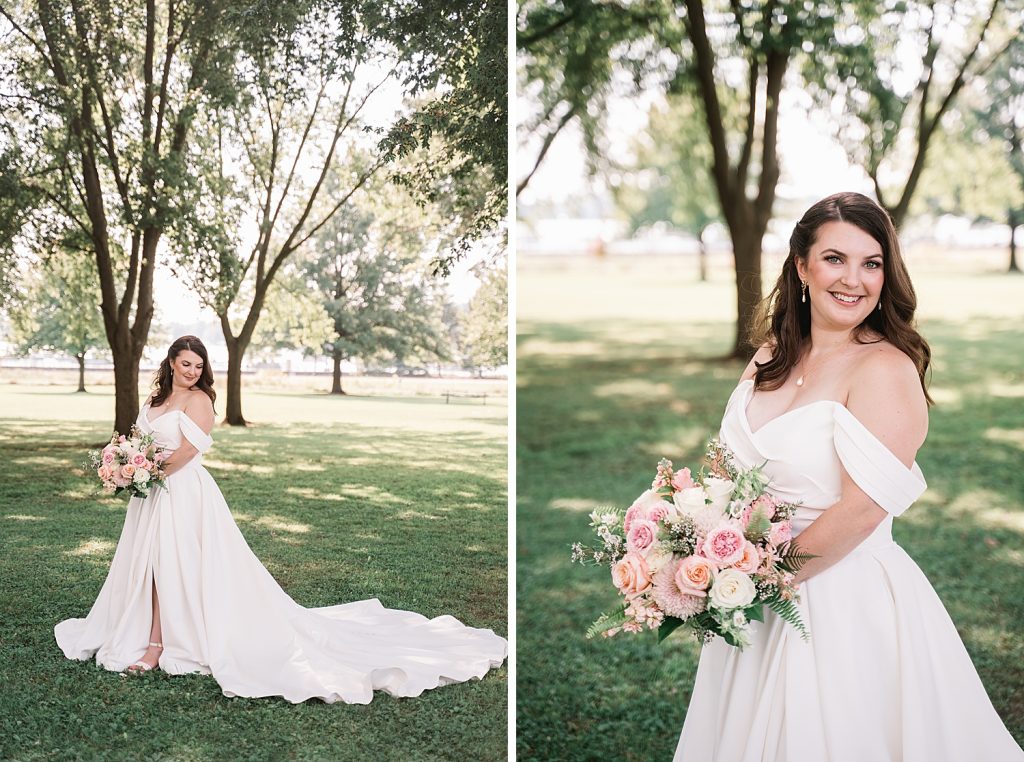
{"x":56,"y":309}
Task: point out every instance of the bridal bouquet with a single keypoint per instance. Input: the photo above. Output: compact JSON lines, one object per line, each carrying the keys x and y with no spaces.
{"x":709,"y":553}
{"x":130,"y":463}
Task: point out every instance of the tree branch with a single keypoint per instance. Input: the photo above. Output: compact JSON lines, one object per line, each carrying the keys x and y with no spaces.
{"x":548,"y":140}
{"x":32,"y":41}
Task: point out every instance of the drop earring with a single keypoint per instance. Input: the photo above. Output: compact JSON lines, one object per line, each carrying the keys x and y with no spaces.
{"x":879,"y":303}
{"x":803,"y":291}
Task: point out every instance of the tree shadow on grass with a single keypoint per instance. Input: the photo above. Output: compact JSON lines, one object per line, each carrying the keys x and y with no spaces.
{"x":417,"y":520}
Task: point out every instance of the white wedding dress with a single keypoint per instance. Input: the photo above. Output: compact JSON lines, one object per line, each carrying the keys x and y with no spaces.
{"x":884,"y":676}
{"x":223,"y":614}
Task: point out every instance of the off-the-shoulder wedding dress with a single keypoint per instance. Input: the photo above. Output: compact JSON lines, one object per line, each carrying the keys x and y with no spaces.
{"x":884,"y":676}
{"x":223,"y":614}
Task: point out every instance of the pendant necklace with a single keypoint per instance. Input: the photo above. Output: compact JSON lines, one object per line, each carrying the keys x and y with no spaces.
{"x":800,"y":378}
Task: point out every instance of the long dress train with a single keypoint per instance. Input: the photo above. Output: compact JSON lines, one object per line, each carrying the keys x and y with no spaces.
{"x":222,"y":613}
{"x":885,"y":676}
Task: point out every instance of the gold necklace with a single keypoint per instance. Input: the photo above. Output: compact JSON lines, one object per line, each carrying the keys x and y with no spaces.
{"x":800,"y":378}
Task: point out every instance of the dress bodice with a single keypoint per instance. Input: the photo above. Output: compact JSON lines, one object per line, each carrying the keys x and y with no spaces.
{"x":171,"y":427}
{"x":805,"y":449}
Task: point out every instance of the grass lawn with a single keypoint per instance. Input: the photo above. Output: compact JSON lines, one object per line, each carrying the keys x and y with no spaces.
{"x":617,"y":368}
{"x":402,"y":499}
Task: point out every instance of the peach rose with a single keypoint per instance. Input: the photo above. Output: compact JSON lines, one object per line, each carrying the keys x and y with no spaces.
{"x":128,"y":471}
{"x":641,"y":535}
{"x":694,"y":575}
{"x":724,"y":545}
{"x":751,"y":559}
{"x":631,"y":575}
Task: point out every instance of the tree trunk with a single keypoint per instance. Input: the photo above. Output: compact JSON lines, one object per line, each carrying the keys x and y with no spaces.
{"x":747,"y":255}
{"x":702,"y":257}
{"x":236,"y":350}
{"x":336,"y":382}
{"x":126,"y":384}
{"x":81,"y":371}
{"x":1012,"y":219}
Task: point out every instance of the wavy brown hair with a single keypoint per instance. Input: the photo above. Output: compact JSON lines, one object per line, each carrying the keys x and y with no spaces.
{"x":783,"y":321}
{"x":162,"y":377}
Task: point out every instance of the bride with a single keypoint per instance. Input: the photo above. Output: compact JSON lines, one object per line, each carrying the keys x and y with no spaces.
{"x":186,"y":593}
{"x":834,"y":404}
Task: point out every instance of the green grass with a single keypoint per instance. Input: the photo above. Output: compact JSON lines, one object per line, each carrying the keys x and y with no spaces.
{"x":617,"y":367}
{"x":342,"y":499}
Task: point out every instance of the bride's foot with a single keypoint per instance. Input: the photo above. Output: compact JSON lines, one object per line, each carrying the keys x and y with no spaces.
{"x":149,"y":660}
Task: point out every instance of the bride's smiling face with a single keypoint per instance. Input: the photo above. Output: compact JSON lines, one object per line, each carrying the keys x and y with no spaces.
{"x":187,"y":367}
{"x":844,"y":275}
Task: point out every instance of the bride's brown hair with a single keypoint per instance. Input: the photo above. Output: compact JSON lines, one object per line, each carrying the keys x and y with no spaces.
{"x":162,"y":377}
{"x":783,"y":321}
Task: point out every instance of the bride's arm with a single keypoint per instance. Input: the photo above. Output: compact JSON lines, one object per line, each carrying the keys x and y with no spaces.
{"x":200,"y":409}
{"x":886,"y":397}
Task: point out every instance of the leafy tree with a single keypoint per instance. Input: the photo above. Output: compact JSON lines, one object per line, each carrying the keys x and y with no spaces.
{"x":1000,"y":111}
{"x":368,"y":269}
{"x":485,"y":322}
{"x":896,"y":70}
{"x":669,"y":180}
{"x":461,"y":80}
{"x":103,"y":97}
{"x":986,"y":192}
{"x":293,"y":317}
{"x":733,"y":56}
{"x":294,"y":137}
{"x":57,"y":310}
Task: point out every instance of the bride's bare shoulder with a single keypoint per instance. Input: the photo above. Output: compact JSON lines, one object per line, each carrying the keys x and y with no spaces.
{"x":887,"y":397}
{"x":761,"y":356}
{"x":199,"y":407}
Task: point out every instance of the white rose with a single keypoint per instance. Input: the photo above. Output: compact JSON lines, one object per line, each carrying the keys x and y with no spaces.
{"x":141,"y":476}
{"x":657,"y":557}
{"x":732,"y":589}
{"x":719,"y":491}
{"x":690,"y":501}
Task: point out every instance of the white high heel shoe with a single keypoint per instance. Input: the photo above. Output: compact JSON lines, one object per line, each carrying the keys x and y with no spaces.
{"x":141,"y":666}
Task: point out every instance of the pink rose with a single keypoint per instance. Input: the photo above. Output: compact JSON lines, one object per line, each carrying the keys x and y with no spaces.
{"x":641,"y":535}
{"x":162,"y":456}
{"x":781,"y":533}
{"x":108,"y":456}
{"x":128,"y":471}
{"x":138,"y":460}
{"x":724,"y":545}
{"x":682,"y":480}
{"x":122,"y":438}
{"x":694,"y":575}
{"x":643,"y":507}
{"x":631,"y":575}
{"x":750,"y":560}
{"x":657,"y":511}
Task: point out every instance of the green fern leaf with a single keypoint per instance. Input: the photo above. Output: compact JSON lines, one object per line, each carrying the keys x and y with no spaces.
{"x":792,"y":558}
